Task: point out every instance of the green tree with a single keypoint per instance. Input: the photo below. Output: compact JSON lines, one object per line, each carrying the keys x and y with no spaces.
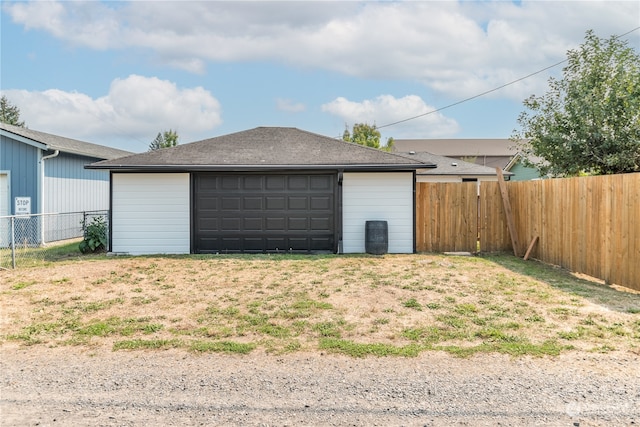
{"x":367,"y":135}
{"x":588,"y":122}
{"x":9,"y":113}
{"x":166,"y":139}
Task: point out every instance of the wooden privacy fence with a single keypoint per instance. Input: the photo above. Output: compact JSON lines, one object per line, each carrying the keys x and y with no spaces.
{"x":589,"y":225}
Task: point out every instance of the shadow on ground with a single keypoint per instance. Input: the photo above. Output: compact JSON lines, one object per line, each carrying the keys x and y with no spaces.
{"x":614,"y":298}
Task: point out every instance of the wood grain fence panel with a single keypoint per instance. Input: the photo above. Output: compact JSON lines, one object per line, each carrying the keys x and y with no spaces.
{"x":525,"y":199}
{"x":446,"y":217}
{"x":625,"y":235}
{"x":589,"y":225}
{"x":634,"y":224}
{"x":494,"y":232}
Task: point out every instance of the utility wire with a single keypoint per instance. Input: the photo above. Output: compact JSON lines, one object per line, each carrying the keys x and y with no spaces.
{"x":488,"y":91}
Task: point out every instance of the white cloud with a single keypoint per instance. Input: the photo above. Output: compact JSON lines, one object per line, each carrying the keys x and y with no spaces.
{"x":457,"y":48}
{"x":129,"y":116}
{"x":289,"y":105}
{"x":386,"y":109}
{"x":91,"y":24}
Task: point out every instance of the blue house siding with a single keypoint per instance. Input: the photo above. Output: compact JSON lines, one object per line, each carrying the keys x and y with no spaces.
{"x":21,"y":160}
{"x":523,"y":173}
{"x":68,"y":187}
{"x":50,"y":170}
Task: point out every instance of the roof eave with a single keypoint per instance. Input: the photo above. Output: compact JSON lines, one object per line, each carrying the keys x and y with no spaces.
{"x":257,"y":168}
{"x":25,"y":140}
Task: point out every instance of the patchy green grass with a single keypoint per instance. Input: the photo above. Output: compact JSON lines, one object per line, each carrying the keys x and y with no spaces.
{"x":29,"y":257}
{"x":353,"y":349}
{"x":359,"y":305}
{"x":151,"y":344}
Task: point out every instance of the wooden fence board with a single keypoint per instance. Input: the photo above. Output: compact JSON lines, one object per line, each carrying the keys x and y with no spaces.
{"x":438,"y":229}
{"x":494,"y":232}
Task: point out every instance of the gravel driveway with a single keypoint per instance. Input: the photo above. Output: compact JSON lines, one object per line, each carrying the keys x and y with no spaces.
{"x":64,"y":386}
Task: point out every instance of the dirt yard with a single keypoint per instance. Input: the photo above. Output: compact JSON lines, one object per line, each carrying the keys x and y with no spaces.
{"x":393,"y":340}
{"x":357,"y":305}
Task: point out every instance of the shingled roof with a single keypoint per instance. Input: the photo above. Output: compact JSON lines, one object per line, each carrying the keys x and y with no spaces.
{"x":451,"y":166}
{"x":66,"y":145}
{"x":264,"y":148}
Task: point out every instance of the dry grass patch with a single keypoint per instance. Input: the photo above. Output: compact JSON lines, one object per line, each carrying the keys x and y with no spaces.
{"x":358,"y":305}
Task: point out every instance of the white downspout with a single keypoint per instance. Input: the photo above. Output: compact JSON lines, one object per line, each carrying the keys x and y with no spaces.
{"x":42,"y":191}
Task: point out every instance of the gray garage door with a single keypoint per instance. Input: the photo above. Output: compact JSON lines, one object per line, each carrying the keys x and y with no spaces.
{"x":248,"y":213}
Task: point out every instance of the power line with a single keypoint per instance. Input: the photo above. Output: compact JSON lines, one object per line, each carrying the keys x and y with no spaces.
{"x":488,"y":91}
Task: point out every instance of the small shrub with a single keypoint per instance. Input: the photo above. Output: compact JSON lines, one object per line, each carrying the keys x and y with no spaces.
{"x":95,"y":235}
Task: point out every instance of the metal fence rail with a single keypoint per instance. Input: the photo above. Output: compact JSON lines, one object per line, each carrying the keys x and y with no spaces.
{"x":28,"y":238}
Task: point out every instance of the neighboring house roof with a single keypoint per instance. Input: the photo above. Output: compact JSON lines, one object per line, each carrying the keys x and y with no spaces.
{"x":492,"y":152}
{"x":450,"y":166}
{"x":48,"y":141}
{"x":459,"y":147}
{"x":264,"y":148}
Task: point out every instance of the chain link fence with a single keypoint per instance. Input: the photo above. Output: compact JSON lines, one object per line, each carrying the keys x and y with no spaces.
{"x":25,"y":239}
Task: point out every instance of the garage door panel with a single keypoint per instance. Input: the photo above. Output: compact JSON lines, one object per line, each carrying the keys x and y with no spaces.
{"x":298,"y":224}
{"x":231,"y":203}
{"x":318,"y":203}
{"x":253,"y":244}
{"x":236,"y":213}
{"x":298,"y":243}
{"x":230,"y":224}
{"x":320,"y":183}
{"x":318,"y":243}
{"x":252,"y":224}
{"x":252,"y":203}
{"x":275,"y":203}
{"x":276,"y":243}
{"x":209,"y":224}
{"x":298,"y":202}
{"x":252,"y":182}
{"x":319,"y":224}
{"x":275,"y":224}
{"x":275,"y":182}
{"x":230,"y":183}
{"x":206,"y":185}
{"x":209,"y":203}
{"x":298,"y":182}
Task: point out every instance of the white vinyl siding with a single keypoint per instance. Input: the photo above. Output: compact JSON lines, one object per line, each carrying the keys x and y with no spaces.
{"x":379,"y":196}
{"x":150,"y":213}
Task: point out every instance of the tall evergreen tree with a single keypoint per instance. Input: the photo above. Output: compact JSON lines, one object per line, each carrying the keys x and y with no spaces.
{"x":9,"y":113}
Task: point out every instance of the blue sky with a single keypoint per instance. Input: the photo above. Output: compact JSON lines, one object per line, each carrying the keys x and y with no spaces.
{"x":117,"y":73}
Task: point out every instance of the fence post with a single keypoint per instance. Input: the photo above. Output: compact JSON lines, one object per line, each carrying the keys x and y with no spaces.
{"x":13,"y":242}
{"x":84,"y":224}
{"x":41,"y":222}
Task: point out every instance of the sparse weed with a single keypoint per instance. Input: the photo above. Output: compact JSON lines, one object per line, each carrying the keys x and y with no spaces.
{"x":412,"y":303}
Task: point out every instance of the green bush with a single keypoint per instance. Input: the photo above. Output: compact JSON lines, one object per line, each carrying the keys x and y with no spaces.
{"x":95,"y":235}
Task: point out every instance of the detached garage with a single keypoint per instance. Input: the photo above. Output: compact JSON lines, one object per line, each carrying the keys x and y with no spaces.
{"x":260,"y":191}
